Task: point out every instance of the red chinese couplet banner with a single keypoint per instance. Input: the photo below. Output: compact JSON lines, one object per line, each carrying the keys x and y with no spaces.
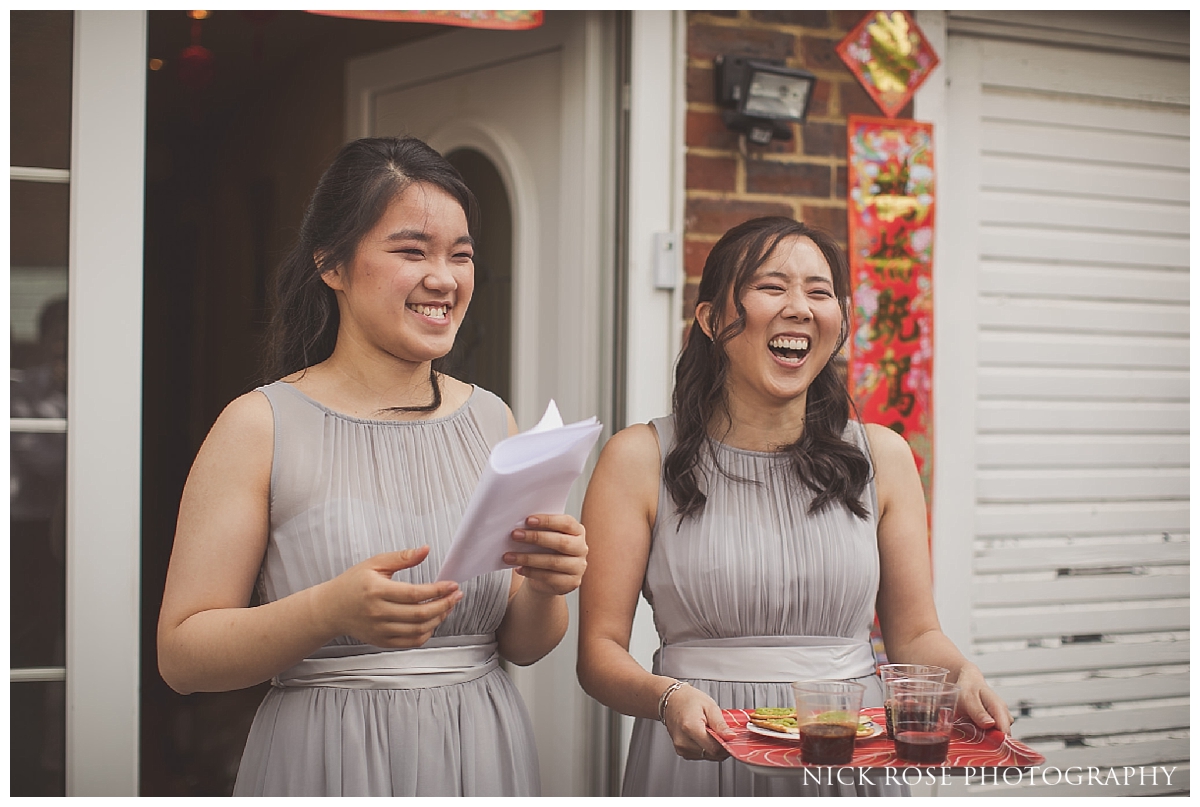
{"x":891,"y":207}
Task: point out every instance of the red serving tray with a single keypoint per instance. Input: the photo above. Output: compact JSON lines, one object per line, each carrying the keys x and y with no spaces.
{"x":970,"y":747}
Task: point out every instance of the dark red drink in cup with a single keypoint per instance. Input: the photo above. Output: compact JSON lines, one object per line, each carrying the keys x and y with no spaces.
{"x":915,"y":672}
{"x":827,"y":714}
{"x":923,"y":712}
{"x":826,"y":744}
{"x":922,"y":747}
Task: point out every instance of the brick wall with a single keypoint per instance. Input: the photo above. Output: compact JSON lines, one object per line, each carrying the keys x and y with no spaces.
{"x":804,"y":177}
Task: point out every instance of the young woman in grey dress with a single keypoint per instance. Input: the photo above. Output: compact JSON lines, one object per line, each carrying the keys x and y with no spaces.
{"x":762,"y":524}
{"x":337,"y":488}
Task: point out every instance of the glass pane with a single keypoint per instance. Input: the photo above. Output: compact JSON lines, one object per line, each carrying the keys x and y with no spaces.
{"x":482,"y":351}
{"x":37,"y":747}
{"x":38,"y":274}
{"x":40,"y":88}
{"x":37,"y":540}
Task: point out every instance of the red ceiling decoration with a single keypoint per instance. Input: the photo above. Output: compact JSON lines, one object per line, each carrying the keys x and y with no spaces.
{"x":498,"y":20}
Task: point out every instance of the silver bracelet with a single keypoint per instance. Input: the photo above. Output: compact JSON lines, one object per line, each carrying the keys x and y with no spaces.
{"x":666,"y":696}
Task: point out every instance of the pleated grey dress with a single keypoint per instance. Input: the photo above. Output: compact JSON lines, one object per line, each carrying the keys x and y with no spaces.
{"x":353,"y":719}
{"x":750,"y":595}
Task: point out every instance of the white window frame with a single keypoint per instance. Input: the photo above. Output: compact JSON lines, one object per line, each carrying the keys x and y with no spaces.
{"x":104,"y":403}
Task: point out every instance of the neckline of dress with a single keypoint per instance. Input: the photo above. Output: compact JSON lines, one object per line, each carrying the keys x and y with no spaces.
{"x":376,"y":422}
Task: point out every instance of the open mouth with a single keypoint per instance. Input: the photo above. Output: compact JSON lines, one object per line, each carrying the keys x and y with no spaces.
{"x":438,"y":311}
{"x":789,"y":348}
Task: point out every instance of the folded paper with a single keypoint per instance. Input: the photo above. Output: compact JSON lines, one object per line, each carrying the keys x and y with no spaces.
{"x":528,"y":473}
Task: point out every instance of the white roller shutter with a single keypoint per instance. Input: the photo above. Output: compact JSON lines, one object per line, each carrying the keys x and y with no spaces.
{"x":1071,"y":187}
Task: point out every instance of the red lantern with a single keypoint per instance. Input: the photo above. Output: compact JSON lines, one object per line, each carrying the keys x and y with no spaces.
{"x":197,"y":67}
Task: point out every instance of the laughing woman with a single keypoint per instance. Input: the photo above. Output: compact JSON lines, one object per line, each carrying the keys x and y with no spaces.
{"x":763,"y":526}
{"x":336,"y":489}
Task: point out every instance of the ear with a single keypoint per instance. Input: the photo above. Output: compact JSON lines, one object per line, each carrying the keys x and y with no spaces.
{"x":332,"y":277}
{"x":704,"y":318}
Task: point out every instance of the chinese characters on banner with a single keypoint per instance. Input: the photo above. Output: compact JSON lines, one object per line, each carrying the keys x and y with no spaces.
{"x":891,"y":212}
{"x":889,"y":55}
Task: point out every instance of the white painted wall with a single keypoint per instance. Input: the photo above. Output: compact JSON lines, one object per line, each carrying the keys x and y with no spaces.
{"x":104,"y":403}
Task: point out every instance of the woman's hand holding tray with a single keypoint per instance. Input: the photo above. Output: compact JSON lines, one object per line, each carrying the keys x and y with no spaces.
{"x":970,"y":747}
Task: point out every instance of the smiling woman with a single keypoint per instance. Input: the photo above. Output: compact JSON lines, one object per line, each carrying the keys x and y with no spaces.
{"x":764,"y":525}
{"x":335,"y":489}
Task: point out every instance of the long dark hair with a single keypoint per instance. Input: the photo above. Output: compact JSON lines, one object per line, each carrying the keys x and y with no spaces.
{"x":835,"y":470}
{"x":351,"y":197}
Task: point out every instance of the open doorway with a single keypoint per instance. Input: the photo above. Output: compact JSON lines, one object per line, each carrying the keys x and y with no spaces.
{"x":236,"y":137}
{"x":235,"y":143}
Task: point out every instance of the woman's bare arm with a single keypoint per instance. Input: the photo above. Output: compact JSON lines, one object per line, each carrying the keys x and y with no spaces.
{"x":619,"y":512}
{"x":208,"y":639}
{"x":907,"y":615}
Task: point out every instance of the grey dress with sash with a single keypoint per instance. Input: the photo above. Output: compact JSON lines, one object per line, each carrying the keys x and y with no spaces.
{"x":353,"y":719}
{"x":750,"y":595}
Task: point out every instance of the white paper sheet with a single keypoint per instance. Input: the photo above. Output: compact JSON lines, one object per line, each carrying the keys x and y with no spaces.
{"x":531,"y":472}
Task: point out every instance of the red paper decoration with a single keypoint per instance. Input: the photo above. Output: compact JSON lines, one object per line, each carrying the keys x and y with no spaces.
{"x":500,"y":20}
{"x":891,"y":206}
{"x":890,"y":57}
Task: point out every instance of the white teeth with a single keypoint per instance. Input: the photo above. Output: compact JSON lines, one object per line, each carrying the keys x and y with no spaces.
{"x":788,"y":344}
{"x":431,"y":311}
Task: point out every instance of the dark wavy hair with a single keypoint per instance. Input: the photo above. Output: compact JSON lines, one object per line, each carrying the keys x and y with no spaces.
{"x":350,"y":198}
{"x":832,"y":468}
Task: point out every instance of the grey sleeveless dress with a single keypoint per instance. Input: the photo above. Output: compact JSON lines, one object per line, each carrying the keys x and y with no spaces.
{"x":354,"y":719}
{"x":750,"y":595}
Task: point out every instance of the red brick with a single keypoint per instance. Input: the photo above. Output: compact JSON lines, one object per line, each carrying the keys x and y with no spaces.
{"x":691,"y":292}
{"x":840,"y":182}
{"x":818,"y":103}
{"x":695,"y":253}
{"x":701,"y":88}
{"x":820,"y":54}
{"x":706,"y":130}
{"x":715,"y":216}
{"x":710,"y":41}
{"x":711,"y":173}
{"x":830,"y":219}
{"x":856,"y":101}
{"x":693,"y":16}
{"x":807,"y":19}
{"x":794,"y":179}
{"x":846,"y":20}
{"x":825,"y":139}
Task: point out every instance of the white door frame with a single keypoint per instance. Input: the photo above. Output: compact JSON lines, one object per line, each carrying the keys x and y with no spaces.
{"x":104,"y":403}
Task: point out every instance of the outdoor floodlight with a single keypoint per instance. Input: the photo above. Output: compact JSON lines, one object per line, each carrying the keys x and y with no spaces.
{"x":762,"y":96}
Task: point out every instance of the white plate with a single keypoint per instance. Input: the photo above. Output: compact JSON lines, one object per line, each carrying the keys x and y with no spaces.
{"x":876,"y":730}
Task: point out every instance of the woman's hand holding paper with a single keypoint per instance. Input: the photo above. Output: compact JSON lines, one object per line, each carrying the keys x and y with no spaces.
{"x":560,"y":570}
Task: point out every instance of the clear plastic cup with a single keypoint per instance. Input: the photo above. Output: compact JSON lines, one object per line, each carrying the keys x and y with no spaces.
{"x":919,"y":672}
{"x":923,"y":715}
{"x":827,"y":715}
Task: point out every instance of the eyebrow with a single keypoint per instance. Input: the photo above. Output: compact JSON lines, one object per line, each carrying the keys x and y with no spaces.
{"x":785,"y":276}
{"x":421,"y":235}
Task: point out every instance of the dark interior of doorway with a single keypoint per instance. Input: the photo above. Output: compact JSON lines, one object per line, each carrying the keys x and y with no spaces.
{"x":229,"y":166}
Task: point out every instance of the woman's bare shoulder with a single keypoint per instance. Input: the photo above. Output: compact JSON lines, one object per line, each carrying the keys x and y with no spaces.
{"x":635,"y":445}
{"x":886,"y":445}
{"x":245,"y":427}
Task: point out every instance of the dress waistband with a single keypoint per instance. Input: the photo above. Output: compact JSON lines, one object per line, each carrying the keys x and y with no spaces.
{"x":778,"y":659}
{"x":437,"y":663}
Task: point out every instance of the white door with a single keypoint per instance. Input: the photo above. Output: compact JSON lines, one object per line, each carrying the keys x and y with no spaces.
{"x":1066,"y":241}
{"x":535,"y":104}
